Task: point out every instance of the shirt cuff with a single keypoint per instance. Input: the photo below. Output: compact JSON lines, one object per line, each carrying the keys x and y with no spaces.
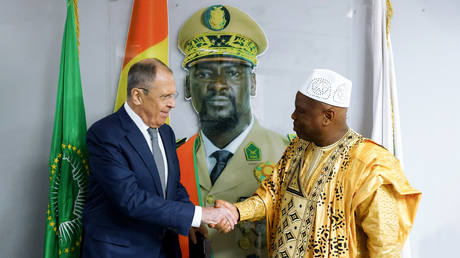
{"x":196,"y":222}
{"x":251,"y":209}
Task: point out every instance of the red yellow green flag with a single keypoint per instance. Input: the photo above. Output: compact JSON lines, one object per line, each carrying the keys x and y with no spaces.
{"x":68,"y":164}
{"x":147,"y":38}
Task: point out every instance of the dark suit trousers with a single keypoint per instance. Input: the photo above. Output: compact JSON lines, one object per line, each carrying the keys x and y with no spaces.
{"x":167,"y":248}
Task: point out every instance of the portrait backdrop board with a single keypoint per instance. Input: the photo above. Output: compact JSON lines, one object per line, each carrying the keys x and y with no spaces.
{"x":302,"y":35}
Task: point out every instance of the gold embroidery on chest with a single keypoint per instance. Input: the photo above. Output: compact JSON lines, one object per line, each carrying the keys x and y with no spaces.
{"x":293,"y":235}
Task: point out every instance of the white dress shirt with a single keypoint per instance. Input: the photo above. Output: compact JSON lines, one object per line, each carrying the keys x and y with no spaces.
{"x":143,"y":128}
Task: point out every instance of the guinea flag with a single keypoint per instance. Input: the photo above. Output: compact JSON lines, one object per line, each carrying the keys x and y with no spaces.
{"x":147,"y":38}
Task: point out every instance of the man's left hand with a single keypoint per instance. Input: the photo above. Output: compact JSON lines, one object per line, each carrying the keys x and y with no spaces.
{"x":193,"y":233}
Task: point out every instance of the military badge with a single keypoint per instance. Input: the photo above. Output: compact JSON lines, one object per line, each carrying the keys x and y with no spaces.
{"x":263,"y":170}
{"x":244,"y":243}
{"x":216,"y":17}
{"x":252,"y":152}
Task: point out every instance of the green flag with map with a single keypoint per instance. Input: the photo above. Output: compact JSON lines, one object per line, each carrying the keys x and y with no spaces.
{"x":68,"y":164}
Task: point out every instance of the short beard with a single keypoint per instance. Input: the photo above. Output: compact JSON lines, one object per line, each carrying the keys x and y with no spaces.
{"x":219,"y":123}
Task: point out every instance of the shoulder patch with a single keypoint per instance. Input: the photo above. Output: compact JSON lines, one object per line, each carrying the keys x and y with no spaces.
{"x":263,"y":170}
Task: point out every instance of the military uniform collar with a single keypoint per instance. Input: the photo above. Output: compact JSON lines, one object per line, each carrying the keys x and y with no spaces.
{"x":210,"y":148}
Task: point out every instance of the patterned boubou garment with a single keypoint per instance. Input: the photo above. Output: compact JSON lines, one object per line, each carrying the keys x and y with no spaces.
{"x":349,"y":199}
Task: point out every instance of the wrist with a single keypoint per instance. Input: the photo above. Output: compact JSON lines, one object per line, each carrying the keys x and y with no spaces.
{"x":239,"y":216}
{"x":243,"y":211}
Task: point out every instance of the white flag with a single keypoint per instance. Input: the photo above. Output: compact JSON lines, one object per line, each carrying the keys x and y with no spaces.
{"x":385,"y":129}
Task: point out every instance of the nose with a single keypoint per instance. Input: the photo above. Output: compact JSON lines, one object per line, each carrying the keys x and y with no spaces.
{"x":220,"y":83}
{"x":293,"y":116}
{"x":172,"y":103}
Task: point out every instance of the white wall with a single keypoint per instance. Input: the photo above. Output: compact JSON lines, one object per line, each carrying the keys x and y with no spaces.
{"x":425,"y":38}
{"x":426,"y":47}
{"x":30,"y":41}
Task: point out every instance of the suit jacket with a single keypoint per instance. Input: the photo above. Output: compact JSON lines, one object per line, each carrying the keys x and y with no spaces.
{"x":125,"y":214}
{"x":237,"y":181}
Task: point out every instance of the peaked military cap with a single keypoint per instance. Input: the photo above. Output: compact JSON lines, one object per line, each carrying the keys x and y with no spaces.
{"x":221,"y":30}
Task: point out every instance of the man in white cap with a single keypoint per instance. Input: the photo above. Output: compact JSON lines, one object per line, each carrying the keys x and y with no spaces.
{"x":334,"y":193}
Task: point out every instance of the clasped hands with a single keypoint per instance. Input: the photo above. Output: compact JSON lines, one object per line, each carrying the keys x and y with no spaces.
{"x":223,"y":216}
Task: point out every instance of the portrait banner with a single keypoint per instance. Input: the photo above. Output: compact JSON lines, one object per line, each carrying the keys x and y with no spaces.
{"x":238,"y":70}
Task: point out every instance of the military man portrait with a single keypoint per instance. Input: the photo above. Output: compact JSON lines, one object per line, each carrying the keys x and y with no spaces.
{"x":232,"y":152}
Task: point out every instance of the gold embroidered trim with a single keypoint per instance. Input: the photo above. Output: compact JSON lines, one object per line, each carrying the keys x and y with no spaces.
{"x":328,"y":172}
{"x":252,"y":208}
{"x":229,"y":44}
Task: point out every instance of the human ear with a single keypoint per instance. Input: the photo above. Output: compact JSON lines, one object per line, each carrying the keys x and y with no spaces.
{"x":136,"y":96}
{"x":328,"y":116}
{"x":187,"y":93}
{"x":253,"y":84}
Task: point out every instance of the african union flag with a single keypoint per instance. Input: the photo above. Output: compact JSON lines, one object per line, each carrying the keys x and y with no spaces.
{"x":68,"y":163}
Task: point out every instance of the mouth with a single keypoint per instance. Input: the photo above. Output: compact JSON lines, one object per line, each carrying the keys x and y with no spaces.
{"x":218,"y":101}
{"x":164,"y":114}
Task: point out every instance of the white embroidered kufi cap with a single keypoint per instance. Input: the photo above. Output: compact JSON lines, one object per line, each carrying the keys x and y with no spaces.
{"x":328,"y":87}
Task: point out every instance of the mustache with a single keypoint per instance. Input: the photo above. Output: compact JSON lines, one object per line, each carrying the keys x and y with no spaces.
{"x":211,"y":95}
{"x":204,"y":110}
{"x":217,"y":95}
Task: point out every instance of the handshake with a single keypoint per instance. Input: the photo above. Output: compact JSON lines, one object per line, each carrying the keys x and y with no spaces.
{"x":223,"y":216}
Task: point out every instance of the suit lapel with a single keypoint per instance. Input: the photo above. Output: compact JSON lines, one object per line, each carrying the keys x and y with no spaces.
{"x":137,"y":140}
{"x":202,"y":167}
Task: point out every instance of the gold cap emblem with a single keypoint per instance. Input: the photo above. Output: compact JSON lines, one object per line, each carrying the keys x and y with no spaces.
{"x":216,"y":17}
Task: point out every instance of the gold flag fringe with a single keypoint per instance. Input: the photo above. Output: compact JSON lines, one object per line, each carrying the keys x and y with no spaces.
{"x":77,"y":23}
{"x":389,"y":15}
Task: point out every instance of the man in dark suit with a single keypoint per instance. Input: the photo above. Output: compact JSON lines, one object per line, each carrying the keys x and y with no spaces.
{"x":136,"y":204}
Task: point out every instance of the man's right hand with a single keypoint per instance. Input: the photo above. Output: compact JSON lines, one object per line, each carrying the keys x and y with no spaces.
{"x":221,"y":215}
{"x":229,"y":206}
{"x":221,"y":226}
